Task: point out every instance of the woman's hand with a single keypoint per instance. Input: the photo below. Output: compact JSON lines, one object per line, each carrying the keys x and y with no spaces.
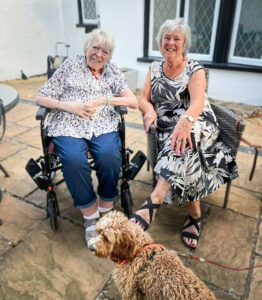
{"x":150,"y":118}
{"x":82,"y":110}
{"x":181,"y":136}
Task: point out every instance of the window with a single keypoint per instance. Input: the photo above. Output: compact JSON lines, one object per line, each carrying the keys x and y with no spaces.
{"x":225,"y":33}
{"x":89,"y":14}
{"x":161,"y":10}
{"x":246,"y":44}
{"x":202,"y":16}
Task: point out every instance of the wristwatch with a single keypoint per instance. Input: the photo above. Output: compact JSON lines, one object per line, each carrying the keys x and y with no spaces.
{"x":189,"y":118}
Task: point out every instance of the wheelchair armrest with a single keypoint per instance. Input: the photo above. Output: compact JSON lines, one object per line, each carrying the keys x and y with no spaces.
{"x":41,"y":113}
{"x":122,"y":110}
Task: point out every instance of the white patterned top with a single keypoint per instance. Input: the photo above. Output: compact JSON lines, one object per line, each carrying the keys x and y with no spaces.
{"x":74,"y":82}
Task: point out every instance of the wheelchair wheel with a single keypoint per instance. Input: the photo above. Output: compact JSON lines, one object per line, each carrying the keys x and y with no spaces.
{"x":52,"y":210}
{"x":127,"y":203}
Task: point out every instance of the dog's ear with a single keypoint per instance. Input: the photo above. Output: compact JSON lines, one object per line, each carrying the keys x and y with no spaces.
{"x":109,"y":236}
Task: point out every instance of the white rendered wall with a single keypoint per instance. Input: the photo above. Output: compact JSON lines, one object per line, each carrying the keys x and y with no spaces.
{"x":126,"y":22}
{"x":245,"y":87}
{"x":28,"y":32}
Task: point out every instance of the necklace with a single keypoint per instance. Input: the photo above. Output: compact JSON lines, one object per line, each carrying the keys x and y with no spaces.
{"x":96,"y":75}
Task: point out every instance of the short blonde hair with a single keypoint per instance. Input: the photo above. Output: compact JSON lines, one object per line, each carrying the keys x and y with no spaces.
{"x":174,"y":25}
{"x":102,"y":38}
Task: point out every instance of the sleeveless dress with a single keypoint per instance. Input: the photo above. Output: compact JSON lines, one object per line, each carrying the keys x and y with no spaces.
{"x":210,"y":163}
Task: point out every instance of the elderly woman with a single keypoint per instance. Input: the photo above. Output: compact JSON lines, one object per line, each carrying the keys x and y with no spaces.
{"x":82,"y":94}
{"x":192,"y":159}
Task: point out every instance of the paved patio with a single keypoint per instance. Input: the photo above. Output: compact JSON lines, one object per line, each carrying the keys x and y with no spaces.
{"x":36,"y":263}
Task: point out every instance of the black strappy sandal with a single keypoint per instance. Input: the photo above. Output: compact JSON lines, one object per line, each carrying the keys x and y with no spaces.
{"x":191,"y":235}
{"x":150,"y":206}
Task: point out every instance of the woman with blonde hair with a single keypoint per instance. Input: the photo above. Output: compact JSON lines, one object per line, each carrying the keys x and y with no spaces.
{"x":192,"y":161}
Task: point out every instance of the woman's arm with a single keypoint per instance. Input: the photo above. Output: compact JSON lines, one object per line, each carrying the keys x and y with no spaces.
{"x":196,"y":88}
{"x":146,"y":106}
{"x":182,"y":132}
{"x":126,"y":98}
{"x":82,"y":110}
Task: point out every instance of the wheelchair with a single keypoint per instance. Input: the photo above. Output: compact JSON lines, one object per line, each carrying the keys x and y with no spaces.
{"x":43,"y":169}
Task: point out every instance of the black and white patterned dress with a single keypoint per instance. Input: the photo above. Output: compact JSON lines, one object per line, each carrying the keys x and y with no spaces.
{"x":210,"y":163}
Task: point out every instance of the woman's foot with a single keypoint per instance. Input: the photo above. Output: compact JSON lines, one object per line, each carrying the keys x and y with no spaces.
{"x":145,"y":214}
{"x":191,"y":232}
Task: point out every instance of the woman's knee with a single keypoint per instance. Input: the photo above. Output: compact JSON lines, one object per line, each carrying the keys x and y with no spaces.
{"x":74,"y":160}
{"x":109,"y":157}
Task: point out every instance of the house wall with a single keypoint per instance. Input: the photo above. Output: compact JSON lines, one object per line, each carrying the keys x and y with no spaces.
{"x":126,"y":22}
{"x":29,"y":30}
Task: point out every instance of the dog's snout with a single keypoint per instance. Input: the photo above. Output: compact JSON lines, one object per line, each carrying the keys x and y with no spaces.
{"x":91,"y":245}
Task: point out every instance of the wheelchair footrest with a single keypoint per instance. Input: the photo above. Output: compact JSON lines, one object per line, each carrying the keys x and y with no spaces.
{"x":35,"y":171}
{"x":136,"y":164}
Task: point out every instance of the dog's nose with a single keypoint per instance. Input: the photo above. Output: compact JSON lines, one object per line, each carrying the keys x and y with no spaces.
{"x":91,"y":246}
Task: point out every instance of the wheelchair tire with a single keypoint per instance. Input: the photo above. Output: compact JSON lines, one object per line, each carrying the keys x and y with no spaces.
{"x":127,"y":203}
{"x":52,"y":210}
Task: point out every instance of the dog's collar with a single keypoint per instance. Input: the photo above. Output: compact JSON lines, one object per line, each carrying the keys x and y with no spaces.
{"x":145,"y":247}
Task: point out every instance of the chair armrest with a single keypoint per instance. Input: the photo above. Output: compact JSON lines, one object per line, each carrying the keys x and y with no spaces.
{"x":122,"y":110}
{"x":41,"y":113}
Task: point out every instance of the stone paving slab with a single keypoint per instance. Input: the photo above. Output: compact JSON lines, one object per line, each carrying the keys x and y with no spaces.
{"x":227,"y":239}
{"x":22,"y":111}
{"x":12,"y":130}
{"x":51,"y":265}
{"x":259,"y":241}
{"x":256,"y":284}
{"x":245,"y":162}
{"x":9,"y":148}
{"x":19,"y":182}
{"x":18,"y":218}
{"x":240,"y":200}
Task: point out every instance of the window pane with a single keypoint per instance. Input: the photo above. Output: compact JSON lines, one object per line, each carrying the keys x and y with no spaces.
{"x":200,"y":19}
{"x":89,"y":9}
{"x":249,"y":30}
{"x":163,"y":10}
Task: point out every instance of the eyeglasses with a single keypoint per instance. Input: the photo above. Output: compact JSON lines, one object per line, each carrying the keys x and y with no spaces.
{"x":104,"y":52}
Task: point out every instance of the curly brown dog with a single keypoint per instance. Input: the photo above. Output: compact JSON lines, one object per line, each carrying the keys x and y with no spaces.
{"x":146,"y":270}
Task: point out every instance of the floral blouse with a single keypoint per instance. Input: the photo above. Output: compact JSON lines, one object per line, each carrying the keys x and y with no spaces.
{"x":74,"y":82}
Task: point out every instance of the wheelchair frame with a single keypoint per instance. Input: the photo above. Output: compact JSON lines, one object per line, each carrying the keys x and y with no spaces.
{"x":43,"y":168}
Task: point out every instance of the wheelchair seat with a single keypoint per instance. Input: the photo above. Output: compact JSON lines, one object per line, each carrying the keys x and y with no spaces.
{"x":42,"y":169}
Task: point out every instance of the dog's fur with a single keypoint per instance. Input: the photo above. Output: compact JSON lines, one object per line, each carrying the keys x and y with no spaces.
{"x":154,"y":273}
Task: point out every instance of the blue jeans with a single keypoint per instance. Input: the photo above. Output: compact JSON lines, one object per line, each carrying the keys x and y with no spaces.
{"x":105,"y":150}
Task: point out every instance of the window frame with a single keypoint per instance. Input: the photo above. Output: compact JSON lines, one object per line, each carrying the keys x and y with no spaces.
{"x":89,"y":25}
{"x":239,"y":59}
{"x":151,"y":27}
{"x":199,"y":56}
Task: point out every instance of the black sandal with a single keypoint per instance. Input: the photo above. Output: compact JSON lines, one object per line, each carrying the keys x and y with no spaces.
{"x":191,"y":235}
{"x":150,"y":206}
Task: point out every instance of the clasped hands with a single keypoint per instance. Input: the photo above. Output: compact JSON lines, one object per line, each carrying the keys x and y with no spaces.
{"x":180,"y":136}
{"x":88,"y":109}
